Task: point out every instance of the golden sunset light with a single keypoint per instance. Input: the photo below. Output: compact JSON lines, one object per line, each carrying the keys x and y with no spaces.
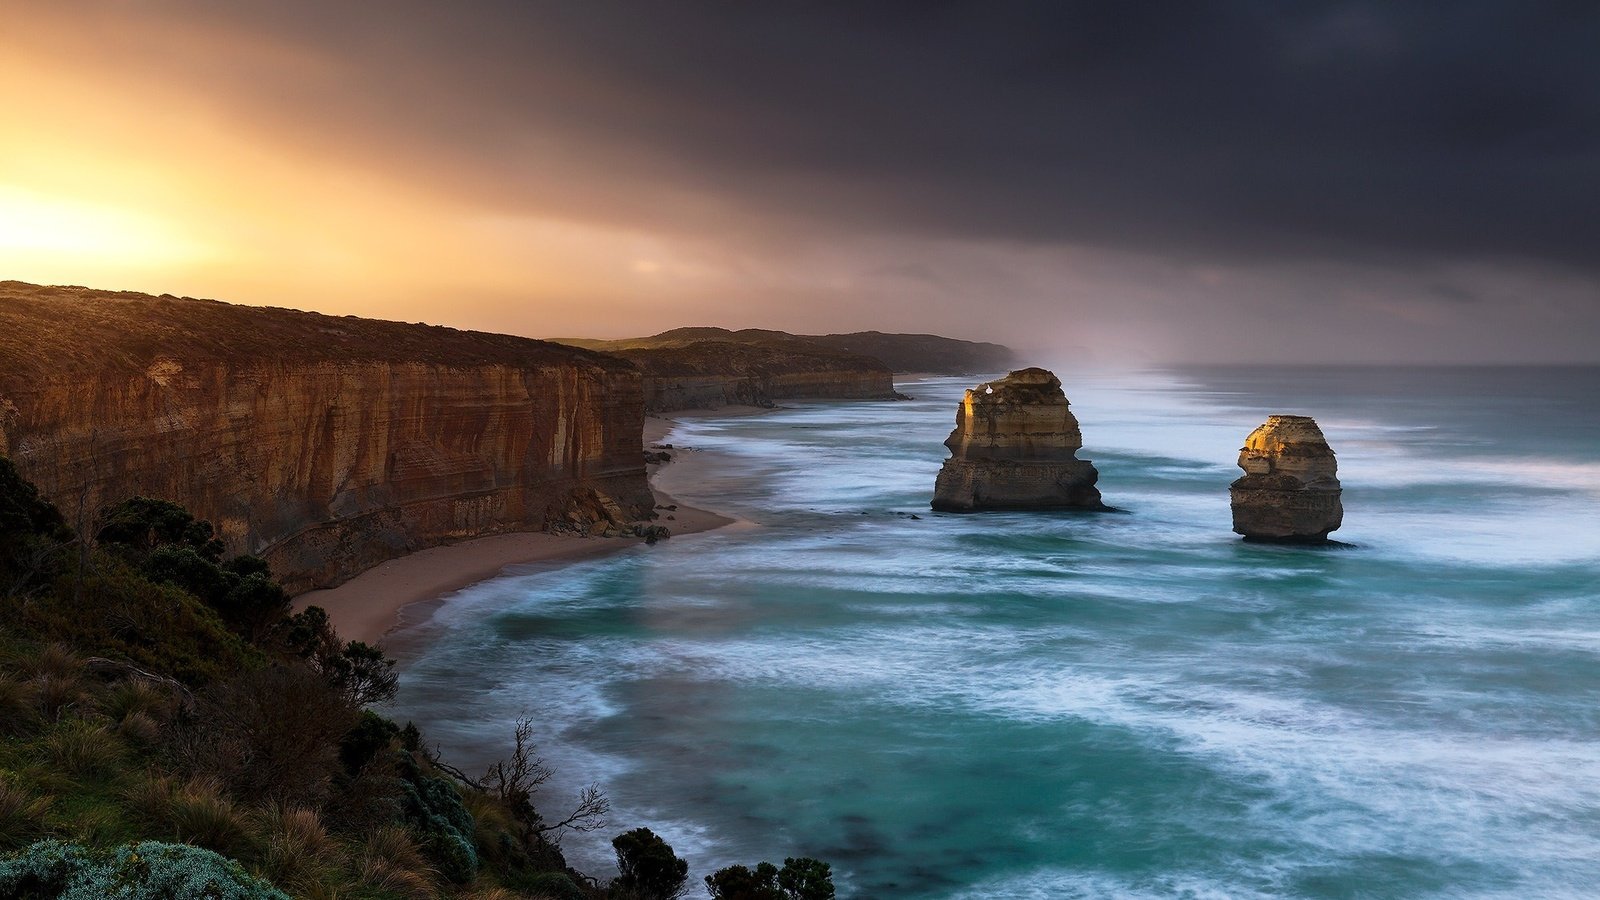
{"x":604,"y":449}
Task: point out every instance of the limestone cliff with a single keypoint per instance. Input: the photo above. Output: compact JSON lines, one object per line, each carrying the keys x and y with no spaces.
{"x":685,"y":369}
{"x":1015,"y":446}
{"x":325,"y":444}
{"x":1290,"y":490}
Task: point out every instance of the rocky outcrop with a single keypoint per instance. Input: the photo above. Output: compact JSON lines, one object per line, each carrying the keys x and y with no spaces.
{"x":1290,"y":490}
{"x":325,"y":444}
{"x":1015,"y":446}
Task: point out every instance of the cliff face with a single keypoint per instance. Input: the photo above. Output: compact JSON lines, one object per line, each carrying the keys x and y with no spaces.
{"x":922,"y":352}
{"x":324,"y":444}
{"x":1290,"y":490}
{"x":712,"y":374}
{"x":1015,"y":446}
{"x":898,"y":352}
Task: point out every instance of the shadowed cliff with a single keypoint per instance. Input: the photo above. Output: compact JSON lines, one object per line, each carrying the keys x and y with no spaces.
{"x":326,"y":444}
{"x":706,"y":367}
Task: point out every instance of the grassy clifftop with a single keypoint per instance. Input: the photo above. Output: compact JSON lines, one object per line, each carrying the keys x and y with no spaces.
{"x":896,"y":352}
{"x":62,"y":330}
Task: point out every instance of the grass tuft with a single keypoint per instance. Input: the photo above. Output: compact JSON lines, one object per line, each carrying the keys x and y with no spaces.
{"x":392,"y":864}
{"x":79,"y":749}
{"x":298,"y":852}
{"x":22,"y":816}
{"x":56,"y":693}
{"x":140,"y":729}
{"x":133,"y":698}
{"x":56,"y":660}
{"x":149,"y":800}
{"x":19,"y":706}
{"x":201,"y":814}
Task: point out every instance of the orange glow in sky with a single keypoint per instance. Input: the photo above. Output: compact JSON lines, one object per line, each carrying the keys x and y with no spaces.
{"x":128,"y":180}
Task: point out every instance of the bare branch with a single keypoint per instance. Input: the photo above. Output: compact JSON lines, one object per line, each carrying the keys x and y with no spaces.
{"x":589,"y":815}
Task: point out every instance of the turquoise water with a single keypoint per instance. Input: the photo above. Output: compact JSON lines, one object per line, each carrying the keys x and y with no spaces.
{"x":1133,"y":704}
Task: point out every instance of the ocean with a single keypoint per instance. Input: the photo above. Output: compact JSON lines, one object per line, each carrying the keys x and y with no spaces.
{"x":1057,"y":705}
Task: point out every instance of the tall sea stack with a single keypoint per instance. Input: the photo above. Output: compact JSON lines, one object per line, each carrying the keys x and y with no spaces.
{"x":1290,"y":489}
{"x":1015,"y":446}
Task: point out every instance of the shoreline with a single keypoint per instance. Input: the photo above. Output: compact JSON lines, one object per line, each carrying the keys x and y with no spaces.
{"x":372,"y":607}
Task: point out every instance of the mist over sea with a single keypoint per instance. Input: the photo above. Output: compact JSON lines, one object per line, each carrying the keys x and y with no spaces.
{"x":1134,"y":704}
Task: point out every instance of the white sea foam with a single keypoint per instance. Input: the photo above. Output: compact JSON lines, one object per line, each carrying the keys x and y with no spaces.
{"x":1422,"y":702}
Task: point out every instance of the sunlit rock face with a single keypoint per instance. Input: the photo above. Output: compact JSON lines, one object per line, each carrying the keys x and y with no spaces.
{"x":1290,"y":490}
{"x":1015,"y":446}
{"x":325,"y":444}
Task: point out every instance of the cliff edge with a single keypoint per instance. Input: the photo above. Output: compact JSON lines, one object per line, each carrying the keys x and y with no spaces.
{"x":325,"y":444}
{"x":707,"y":368}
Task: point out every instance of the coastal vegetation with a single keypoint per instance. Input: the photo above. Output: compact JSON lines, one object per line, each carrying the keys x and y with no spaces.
{"x":168,"y":728}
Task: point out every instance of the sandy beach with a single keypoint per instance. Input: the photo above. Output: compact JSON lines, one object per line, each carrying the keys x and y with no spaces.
{"x":369,"y":606}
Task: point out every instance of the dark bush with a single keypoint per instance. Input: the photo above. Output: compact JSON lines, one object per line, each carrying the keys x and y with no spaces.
{"x":740,"y":883}
{"x":357,"y":670}
{"x":108,"y":609}
{"x":372,"y":734}
{"x":806,"y":879}
{"x":272,"y":734}
{"x":139,"y":525}
{"x":799,"y":879}
{"x":32,"y":534}
{"x":185,"y":568}
{"x":649,"y":869}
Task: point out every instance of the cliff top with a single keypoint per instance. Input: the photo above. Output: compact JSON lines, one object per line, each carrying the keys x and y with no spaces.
{"x":733,"y":357}
{"x":899,"y":352}
{"x":1030,"y":385}
{"x":62,"y":330}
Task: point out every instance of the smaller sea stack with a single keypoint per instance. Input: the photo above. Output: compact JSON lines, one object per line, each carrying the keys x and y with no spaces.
{"x":1290,"y":489}
{"x":1015,"y":446}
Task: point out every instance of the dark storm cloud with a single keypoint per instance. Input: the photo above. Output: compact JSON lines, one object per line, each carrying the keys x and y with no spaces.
{"x":1255,"y":130}
{"x":1465,"y":128}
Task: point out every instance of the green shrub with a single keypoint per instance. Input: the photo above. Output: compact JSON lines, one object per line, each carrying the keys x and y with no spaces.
{"x":433,"y":806}
{"x":143,"y":871}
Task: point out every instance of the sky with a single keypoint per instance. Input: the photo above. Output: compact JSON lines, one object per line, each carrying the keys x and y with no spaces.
{"x":1113,"y":182}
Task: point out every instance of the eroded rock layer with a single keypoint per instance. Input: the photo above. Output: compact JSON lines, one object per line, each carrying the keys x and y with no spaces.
{"x":1015,"y":446}
{"x":324,"y":444}
{"x":1290,"y":490}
